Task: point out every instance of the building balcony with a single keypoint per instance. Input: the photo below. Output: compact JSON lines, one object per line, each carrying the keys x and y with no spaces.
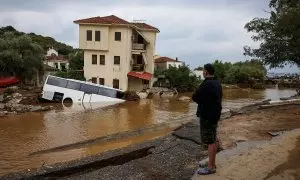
{"x":138,"y":67}
{"x":136,"y":46}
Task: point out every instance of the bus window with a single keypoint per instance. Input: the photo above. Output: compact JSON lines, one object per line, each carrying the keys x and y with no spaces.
{"x":73,"y":85}
{"x":57,"y":82}
{"x":107,"y":92}
{"x":89,"y":89}
{"x":120,"y":94}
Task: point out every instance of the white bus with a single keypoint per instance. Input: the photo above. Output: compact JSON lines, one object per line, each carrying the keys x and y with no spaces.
{"x":74,"y":91}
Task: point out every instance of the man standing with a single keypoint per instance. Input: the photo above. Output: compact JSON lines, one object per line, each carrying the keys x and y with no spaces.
{"x":209,"y":99}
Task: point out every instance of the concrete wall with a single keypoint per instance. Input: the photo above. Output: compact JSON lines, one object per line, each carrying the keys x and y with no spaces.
{"x":174,"y":64}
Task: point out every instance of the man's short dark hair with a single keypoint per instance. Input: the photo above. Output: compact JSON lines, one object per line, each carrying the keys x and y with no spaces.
{"x":209,"y":68}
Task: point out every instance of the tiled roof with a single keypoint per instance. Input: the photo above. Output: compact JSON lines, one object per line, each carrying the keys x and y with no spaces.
{"x":56,"y":58}
{"x":102,"y":20}
{"x":113,"y":20}
{"x":140,"y":75}
{"x":145,"y":26}
{"x":164,"y":59}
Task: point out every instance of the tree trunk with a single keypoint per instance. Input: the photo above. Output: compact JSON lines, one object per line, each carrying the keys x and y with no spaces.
{"x":37,"y":78}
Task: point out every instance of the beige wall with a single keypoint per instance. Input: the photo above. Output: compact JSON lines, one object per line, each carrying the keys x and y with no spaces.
{"x":150,"y":51}
{"x":110,"y":48}
{"x":93,"y":45}
{"x":109,"y":71}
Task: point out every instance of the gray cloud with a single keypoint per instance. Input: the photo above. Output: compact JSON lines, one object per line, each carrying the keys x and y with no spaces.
{"x":192,"y":30}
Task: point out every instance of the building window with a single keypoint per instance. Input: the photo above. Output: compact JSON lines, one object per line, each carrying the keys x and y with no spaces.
{"x":117,"y":60}
{"x":170,"y":65}
{"x":89,"y":35}
{"x":102,"y":59}
{"x":94,"y":80}
{"x":63,"y":66}
{"x":94,"y":59}
{"x":116,"y":83}
{"x":97,"y":35}
{"x":101,"y":81}
{"x":56,"y":65}
{"x":117,"y":36}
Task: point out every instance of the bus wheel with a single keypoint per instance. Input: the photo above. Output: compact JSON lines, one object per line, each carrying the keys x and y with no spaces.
{"x":68,"y":102}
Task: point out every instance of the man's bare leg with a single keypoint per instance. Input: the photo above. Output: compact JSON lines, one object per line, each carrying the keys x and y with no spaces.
{"x":212,"y":151}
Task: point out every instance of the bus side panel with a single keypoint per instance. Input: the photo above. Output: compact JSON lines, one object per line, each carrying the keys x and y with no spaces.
{"x":99,"y":98}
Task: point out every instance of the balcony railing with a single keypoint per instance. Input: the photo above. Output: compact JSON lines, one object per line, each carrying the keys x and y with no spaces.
{"x":136,"y":46}
{"x":138,"y":67}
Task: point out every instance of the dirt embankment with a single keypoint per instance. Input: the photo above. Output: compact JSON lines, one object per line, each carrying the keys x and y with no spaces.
{"x":15,"y":100}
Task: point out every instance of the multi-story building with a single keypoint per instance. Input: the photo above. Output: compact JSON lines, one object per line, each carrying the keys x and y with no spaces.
{"x":117,"y":53}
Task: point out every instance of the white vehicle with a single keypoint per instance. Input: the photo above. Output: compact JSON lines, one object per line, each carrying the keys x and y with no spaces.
{"x":74,"y":91}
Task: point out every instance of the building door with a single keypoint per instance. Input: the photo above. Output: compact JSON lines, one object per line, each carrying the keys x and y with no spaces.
{"x":139,"y":59}
{"x":116,"y":83}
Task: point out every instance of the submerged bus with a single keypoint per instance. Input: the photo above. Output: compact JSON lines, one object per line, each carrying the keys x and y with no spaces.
{"x":74,"y":91}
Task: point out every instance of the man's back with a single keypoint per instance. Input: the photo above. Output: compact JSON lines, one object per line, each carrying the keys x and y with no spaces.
{"x":209,"y":99}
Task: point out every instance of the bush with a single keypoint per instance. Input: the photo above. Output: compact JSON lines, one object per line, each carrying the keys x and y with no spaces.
{"x":131,"y":96}
{"x":71,"y":74}
{"x":180,"y":78}
{"x":258,"y":86}
{"x":9,"y":91}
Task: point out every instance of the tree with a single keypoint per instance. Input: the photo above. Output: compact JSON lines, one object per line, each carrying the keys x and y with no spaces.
{"x":76,"y":60}
{"x":20,"y":56}
{"x":71,"y":74}
{"x":180,"y":78}
{"x":199,"y":68}
{"x":44,"y":42}
{"x":279,"y":34}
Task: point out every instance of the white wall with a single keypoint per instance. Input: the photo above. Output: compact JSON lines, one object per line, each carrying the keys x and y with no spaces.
{"x":199,"y":73}
{"x":52,"y":51}
{"x":52,"y":64}
{"x":174,"y":64}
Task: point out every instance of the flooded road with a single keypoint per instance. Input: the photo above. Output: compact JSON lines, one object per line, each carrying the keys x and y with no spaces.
{"x":23,"y":134}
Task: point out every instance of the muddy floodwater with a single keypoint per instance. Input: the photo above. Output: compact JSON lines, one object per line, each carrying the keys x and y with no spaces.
{"x":26,"y":133}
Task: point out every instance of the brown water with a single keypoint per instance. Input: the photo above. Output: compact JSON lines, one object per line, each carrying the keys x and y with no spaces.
{"x":23,"y":134}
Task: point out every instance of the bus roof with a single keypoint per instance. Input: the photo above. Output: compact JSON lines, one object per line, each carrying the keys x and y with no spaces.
{"x":93,"y":84}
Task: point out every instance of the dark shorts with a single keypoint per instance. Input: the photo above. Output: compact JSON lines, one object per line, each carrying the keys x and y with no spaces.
{"x":208,"y":133}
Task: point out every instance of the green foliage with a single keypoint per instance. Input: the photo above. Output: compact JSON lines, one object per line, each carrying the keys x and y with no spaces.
{"x":76,"y":67}
{"x":20,"y":55}
{"x":198,"y":68}
{"x":179,"y":78}
{"x":239,"y":72}
{"x":71,"y":74}
{"x":76,"y":60}
{"x":279,"y":34}
{"x":44,"y":42}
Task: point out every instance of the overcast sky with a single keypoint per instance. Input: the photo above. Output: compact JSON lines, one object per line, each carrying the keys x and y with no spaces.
{"x":195,"y":31}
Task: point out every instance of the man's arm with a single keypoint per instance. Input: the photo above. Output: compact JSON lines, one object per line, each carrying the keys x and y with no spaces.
{"x":200,"y":94}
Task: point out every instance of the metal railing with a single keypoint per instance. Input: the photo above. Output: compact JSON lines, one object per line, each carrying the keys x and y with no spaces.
{"x":136,"y":46}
